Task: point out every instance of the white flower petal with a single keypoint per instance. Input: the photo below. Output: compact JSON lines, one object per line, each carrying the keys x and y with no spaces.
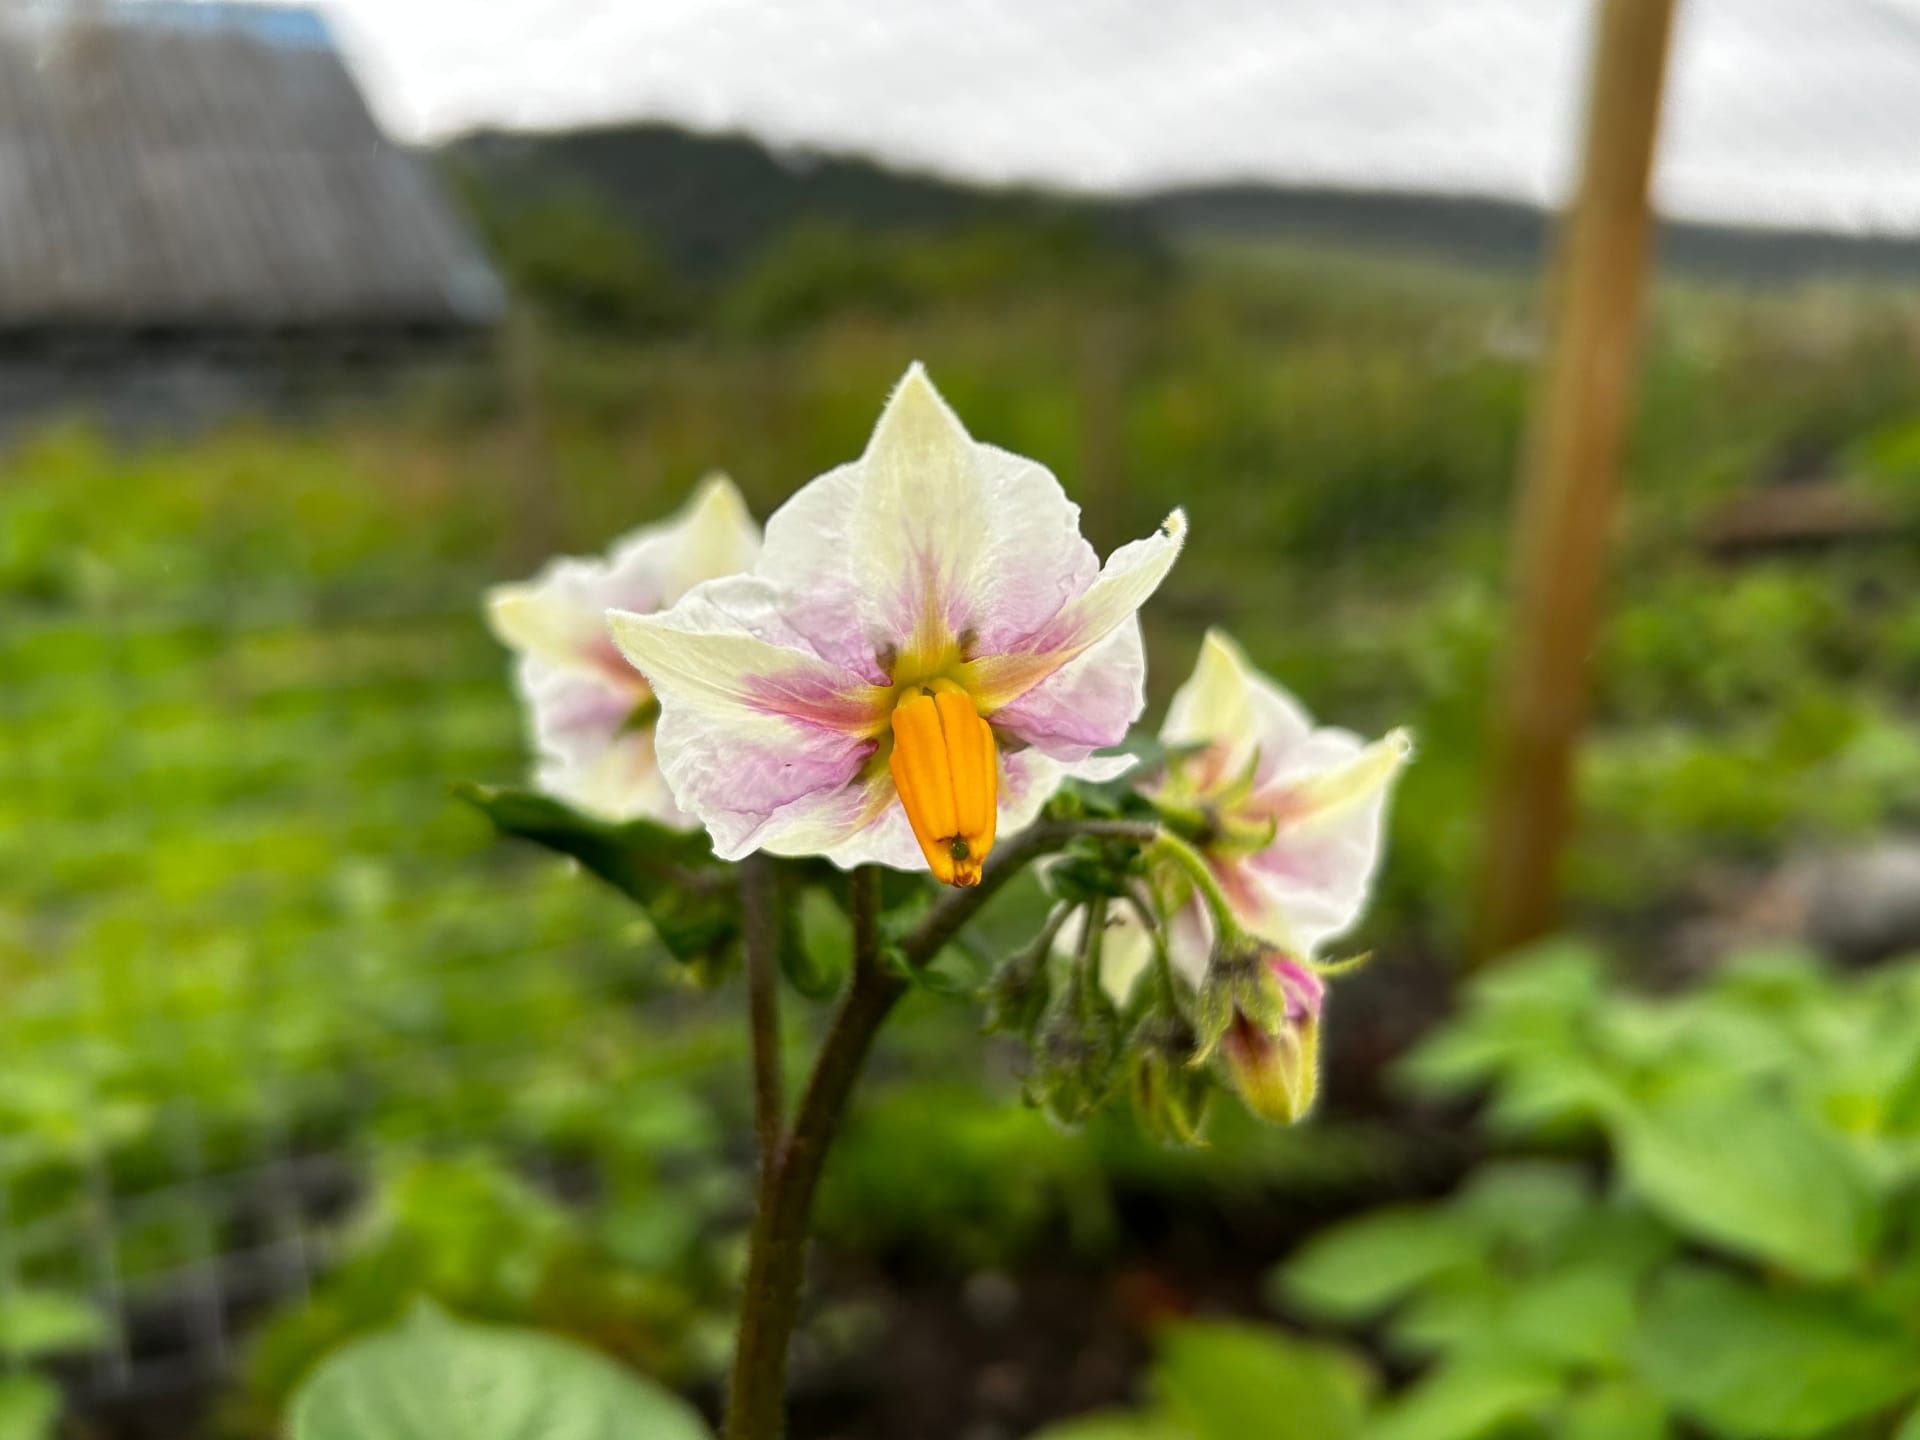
{"x":548,"y":619}
{"x":588,"y":754}
{"x":929,"y":536}
{"x":1132,"y":573}
{"x":1313,"y":880}
{"x":560,"y":615}
{"x":712,"y":535}
{"x":1087,"y":704}
{"x":749,"y":726}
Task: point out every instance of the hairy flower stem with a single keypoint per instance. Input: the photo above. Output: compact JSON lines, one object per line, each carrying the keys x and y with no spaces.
{"x":1170,"y":847}
{"x":777,"y":1254}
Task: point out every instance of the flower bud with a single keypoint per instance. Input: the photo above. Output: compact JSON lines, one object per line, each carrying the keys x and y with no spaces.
{"x":1261,"y":1008}
{"x":1242,"y":981}
{"x":1074,"y":1053}
{"x":1276,"y":1074}
{"x":1016,"y":993}
{"x":1169,"y":1091}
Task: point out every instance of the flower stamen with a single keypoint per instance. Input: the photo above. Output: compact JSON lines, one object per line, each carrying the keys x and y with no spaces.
{"x":947,"y":771}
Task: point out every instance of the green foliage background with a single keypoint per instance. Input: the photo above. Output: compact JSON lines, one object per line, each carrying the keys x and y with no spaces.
{"x":267,"y":989}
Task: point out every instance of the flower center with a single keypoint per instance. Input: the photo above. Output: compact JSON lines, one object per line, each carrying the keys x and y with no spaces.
{"x":948,"y":774}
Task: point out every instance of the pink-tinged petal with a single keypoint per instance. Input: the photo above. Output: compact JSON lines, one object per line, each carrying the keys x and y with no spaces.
{"x":587,"y":752}
{"x":1087,"y":704}
{"x":555,"y":620}
{"x":1132,"y":573}
{"x":749,"y":727}
{"x":1311,"y":883}
{"x":1234,"y":712}
{"x":559,"y":616}
{"x":927,"y":538}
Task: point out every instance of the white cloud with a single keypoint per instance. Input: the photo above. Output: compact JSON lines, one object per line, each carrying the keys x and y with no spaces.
{"x":1781,"y":110}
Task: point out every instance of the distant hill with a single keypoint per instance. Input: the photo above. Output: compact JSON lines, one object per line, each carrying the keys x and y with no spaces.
{"x":709,"y":203}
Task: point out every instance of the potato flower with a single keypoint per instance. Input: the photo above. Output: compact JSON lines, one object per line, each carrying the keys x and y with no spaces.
{"x":1288,"y":816}
{"x":1284,"y":820}
{"x":926,"y":647}
{"x":1274,"y":1060}
{"x":591,"y":715}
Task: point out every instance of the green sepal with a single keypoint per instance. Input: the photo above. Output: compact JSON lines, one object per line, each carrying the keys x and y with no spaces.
{"x":1118,"y":798}
{"x":1017,"y":992}
{"x":1170,"y":1092}
{"x":1075,"y":1053}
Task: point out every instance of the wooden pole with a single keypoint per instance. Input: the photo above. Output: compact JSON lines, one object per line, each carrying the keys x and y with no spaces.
{"x":1566,"y":480}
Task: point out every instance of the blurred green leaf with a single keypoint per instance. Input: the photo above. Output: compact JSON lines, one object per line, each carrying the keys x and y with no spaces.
{"x":1453,"y":1312}
{"x":1466,"y":1400}
{"x":1116,"y":1425}
{"x":1234,"y":1382}
{"x":1526,"y":1203}
{"x":433,"y":1377}
{"x":691,"y":899}
{"x":1358,"y":1269}
{"x":36,"y":1322}
{"x":29,"y":1408}
{"x":1739,"y":1169}
{"x":1577,"y":1318}
{"x":1620,"y":1411}
{"x":1770,"y":1364}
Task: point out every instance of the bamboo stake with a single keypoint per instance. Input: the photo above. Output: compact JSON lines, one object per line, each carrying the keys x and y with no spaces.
{"x":1566,"y":480}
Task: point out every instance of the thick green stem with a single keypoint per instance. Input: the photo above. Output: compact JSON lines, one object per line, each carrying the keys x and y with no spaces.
{"x":777,"y":1257}
{"x":760,"y":904}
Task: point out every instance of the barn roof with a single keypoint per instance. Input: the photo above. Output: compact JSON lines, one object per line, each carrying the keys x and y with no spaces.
{"x":183,"y":164}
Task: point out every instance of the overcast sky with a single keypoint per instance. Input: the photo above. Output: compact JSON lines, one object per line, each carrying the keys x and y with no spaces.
{"x":1782,"y":111}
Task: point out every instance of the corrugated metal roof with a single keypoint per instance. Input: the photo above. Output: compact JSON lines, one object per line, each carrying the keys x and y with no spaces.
{"x":187,"y":165}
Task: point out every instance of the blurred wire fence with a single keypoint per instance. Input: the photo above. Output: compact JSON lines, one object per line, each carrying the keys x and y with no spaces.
{"x":251,"y":941}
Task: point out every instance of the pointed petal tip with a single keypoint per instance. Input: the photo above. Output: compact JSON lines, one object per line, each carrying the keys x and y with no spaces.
{"x":630,"y":632}
{"x":915,"y":403}
{"x":510,"y":615}
{"x":716,"y":501}
{"x":1217,"y":645}
{"x":717,"y":487}
{"x":1174,"y":527}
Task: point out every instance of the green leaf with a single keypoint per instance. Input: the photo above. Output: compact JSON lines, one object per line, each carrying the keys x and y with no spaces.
{"x":1359,"y":1269}
{"x":1460,"y":1310}
{"x":1529,"y":1204}
{"x":35,"y":1322}
{"x":1577,"y":1318}
{"x":1621,"y":1411}
{"x":1739,"y":1170}
{"x":1769,"y":1364}
{"x":691,"y":898}
{"x":1229,"y":1382}
{"x":29,"y":1408}
{"x":1466,"y":1400}
{"x":1116,"y":1425}
{"x":433,"y":1377}
{"x":1909,"y":1428}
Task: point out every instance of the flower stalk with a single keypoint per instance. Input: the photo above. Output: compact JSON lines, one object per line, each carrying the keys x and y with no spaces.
{"x":777,"y":1250}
